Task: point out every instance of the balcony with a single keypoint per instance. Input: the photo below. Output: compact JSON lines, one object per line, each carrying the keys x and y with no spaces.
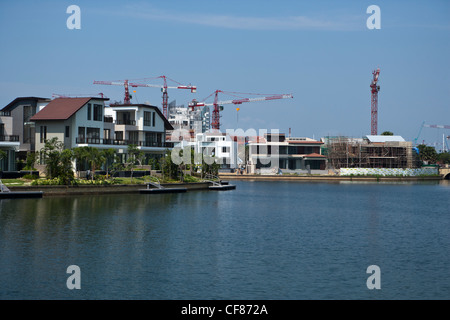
{"x":9,"y":138}
{"x":126,"y":122}
{"x":98,"y":141}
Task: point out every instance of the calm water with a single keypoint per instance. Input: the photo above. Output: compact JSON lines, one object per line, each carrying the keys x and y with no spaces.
{"x":264,"y":240}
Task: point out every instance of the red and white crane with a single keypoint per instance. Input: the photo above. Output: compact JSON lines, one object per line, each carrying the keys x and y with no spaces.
{"x":215,"y":117}
{"x":374,"y":88}
{"x":164,"y":87}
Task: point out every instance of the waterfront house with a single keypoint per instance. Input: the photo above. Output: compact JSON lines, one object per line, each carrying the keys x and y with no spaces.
{"x":79,"y":122}
{"x":214,"y":144}
{"x":143,"y":125}
{"x":17,"y":126}
{"x":9,"y":143}
{"x":276,"y":153}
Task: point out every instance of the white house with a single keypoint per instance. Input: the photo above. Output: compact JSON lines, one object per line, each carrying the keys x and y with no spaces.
{"x":219,"y":145}
{"x":87,"y":122}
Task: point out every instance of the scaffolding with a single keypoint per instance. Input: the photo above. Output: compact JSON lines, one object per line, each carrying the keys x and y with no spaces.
{"x":345,"y":152}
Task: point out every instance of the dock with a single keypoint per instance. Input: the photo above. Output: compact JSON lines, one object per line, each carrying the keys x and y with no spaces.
{"x":158,"y":188}
{"x":5,"y":193}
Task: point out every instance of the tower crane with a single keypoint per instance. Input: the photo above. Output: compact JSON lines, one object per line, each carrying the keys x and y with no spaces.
{"x":435,"y":126}
{"x":374,"y":88}
{"x":164,"y":87}
{"x":126,"y":99}
{"x":218,"y":105}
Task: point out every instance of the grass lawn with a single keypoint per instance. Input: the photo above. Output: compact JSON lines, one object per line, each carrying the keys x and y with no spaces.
{"x":16,"y":182}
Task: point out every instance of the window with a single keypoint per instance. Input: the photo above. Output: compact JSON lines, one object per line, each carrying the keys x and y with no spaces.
{"x":28,"y":127}
{"x":28,"y":112}
{"x":93,"y":133}
{"x":147,"y":118}
{"x":98,"y":112}
{"x":28,"y":132}
{"x":43,"y":133}
{"x":118,"y":135}
{"x":67,"y":131}
{"x":89,"y":112}
{"x":107,"y":133}
{"x":81,"y":133}
{"x":133,"y":137}
{"x":153,"y":114}
{"x":225,"y":149}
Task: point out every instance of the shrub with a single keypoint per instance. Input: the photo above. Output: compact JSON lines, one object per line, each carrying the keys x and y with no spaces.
{"x":31,"y":176}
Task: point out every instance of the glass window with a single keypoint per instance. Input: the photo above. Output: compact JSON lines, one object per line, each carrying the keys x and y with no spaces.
{"x":98,"y":112}
{"x":147,"y":118}
{"x":43,"y":134}
{"x":89,"y":112}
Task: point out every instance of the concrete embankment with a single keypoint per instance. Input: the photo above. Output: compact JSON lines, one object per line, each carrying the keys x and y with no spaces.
{"x":324,"y":178}
{"x":107,"y":189}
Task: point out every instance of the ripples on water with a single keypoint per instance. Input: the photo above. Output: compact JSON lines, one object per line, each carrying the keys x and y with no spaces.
{"x":264,"y":240}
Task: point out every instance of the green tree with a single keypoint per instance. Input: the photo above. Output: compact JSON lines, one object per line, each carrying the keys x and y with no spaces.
{"x":80,"y":156}
{"x":31,"y":160}
{"x":387,"y":133}
{"x":51,"y":153}
{"x":427,"y":153}
{"x":65,"y":167}
{"x":95,"y":159}
{"x":444,"y":157}
{"x":168,"y":168}
{"x":210,"y":168}
{"x":109,"y":155}
{"x":134,"y":155}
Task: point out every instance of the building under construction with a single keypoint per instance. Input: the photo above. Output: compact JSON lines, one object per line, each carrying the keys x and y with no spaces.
{"x":370,"y":152}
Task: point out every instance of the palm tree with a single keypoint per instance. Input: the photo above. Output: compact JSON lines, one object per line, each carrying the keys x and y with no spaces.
{"x":95,"y":158}
{"x":109,"y":155}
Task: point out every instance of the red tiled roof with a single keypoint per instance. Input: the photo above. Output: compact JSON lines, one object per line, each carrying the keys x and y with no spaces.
{"x":62,"y":108}
{"x":314,"y":155}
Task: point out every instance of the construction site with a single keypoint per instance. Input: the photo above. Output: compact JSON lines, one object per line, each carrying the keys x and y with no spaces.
{"x":370,"y":152}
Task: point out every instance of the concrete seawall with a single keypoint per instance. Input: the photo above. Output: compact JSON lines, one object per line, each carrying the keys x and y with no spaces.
{"x":108,"y":189}
{"x":324,"y":178}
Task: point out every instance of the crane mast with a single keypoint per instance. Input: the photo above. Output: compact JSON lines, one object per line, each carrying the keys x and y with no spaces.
{"x":374,"y":88}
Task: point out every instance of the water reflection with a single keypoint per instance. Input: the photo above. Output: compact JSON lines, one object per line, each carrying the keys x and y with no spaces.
{"x":265,"y":240}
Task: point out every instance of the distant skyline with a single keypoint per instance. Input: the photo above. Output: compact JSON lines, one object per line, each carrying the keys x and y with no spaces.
{"x":319,"y":51}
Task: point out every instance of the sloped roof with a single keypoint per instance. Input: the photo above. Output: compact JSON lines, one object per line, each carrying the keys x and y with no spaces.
{"x":62,"y":108}
{"x":314,"y":155}
{"x":14,"y":102}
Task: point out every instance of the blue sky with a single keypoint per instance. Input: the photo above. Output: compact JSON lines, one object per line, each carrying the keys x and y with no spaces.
{"x":320,"y":51}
